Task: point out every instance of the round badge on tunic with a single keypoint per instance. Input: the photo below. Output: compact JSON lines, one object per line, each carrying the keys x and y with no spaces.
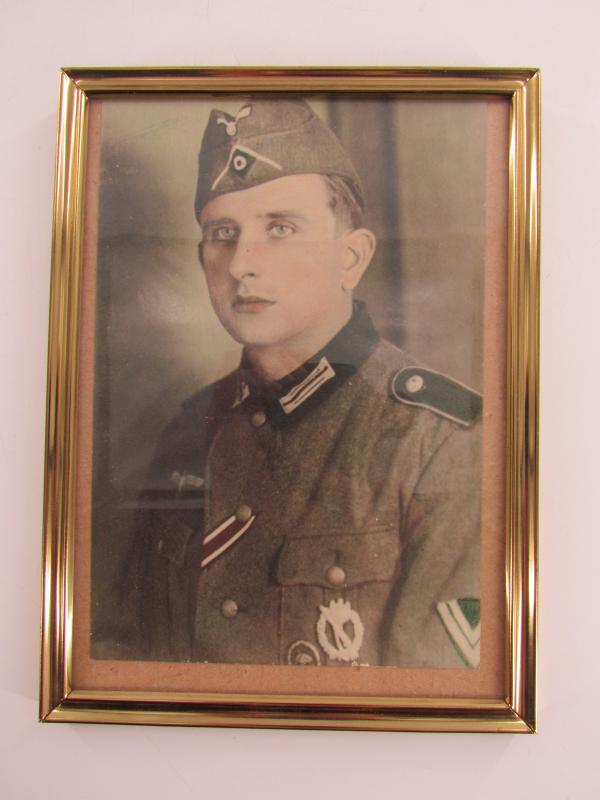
{"x":302,"y":653}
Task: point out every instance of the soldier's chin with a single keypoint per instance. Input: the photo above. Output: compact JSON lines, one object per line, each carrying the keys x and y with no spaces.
{"x":251,"y":333}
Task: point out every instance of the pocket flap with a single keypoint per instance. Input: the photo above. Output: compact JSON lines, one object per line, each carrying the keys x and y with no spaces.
{"x":339,"y":560}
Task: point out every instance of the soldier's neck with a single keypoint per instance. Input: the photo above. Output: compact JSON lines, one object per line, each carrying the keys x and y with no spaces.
{"x":273,"y":362}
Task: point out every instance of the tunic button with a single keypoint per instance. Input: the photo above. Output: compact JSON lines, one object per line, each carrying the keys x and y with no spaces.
{"x":243,"y":513}
{"x":229,"y":608}
{"x":336,"y":576}
{"x":258,"y":419}
{"x":414,"y":384}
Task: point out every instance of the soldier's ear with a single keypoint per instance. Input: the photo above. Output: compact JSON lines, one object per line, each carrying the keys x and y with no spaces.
{"x":360,"y":246}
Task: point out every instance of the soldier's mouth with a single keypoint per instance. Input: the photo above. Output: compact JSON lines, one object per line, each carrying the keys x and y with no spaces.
{"x":251,"y":304}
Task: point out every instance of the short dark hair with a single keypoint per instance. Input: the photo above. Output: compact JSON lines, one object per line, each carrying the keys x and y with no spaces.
{"x":344,"y":202}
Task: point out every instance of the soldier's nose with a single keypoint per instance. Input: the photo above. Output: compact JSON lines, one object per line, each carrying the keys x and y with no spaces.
{"x":244,"y":261}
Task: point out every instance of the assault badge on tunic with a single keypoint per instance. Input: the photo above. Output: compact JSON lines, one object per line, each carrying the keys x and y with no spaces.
{"x":334,"y":620}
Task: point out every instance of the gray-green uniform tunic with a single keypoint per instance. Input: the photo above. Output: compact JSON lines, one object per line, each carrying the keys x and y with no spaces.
{"x":330,"y":518}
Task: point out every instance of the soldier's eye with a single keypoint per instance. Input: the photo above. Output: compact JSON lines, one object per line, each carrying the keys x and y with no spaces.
{"x":280,"y":230}
{"x":224,"y":233}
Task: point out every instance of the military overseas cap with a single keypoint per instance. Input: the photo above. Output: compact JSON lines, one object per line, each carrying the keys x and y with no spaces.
{"x":265,"y":140}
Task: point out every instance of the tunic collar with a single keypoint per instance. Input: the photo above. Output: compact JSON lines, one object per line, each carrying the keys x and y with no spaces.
{"x":316,"y":379}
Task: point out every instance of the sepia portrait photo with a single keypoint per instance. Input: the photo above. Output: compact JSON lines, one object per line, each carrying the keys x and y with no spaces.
{"x":288,"y":380}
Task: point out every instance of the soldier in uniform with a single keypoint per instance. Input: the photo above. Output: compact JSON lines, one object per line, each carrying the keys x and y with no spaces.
{"x":320,"y":505}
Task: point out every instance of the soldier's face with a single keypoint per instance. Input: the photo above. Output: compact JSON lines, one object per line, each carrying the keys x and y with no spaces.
{"x":276,"y":264}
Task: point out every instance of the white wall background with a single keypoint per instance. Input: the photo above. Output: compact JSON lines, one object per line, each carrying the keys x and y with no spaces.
{"x":69,"y":761}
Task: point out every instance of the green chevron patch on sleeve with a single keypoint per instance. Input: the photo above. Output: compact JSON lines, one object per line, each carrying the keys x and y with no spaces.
{"x":461,"y":619}
{"x":470,"y":607}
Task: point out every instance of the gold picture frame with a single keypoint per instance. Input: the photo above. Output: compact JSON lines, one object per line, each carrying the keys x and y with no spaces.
{"x":511,"y":705}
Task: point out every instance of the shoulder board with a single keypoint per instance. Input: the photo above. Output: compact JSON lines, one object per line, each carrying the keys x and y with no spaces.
{"x":437,"y":392}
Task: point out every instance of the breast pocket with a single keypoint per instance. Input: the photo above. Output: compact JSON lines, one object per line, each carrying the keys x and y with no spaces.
{"x":334,"y":592}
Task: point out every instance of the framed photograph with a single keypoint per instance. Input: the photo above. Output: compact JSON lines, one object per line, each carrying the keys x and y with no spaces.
{"x":291,"y":473}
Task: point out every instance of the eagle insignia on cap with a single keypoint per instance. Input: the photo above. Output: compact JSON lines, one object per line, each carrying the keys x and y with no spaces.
{"x":231,"y":123}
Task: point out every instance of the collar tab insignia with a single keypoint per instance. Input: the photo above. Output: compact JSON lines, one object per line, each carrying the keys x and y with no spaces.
{"x":322,"y":373}
{"x":242,"y":394}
